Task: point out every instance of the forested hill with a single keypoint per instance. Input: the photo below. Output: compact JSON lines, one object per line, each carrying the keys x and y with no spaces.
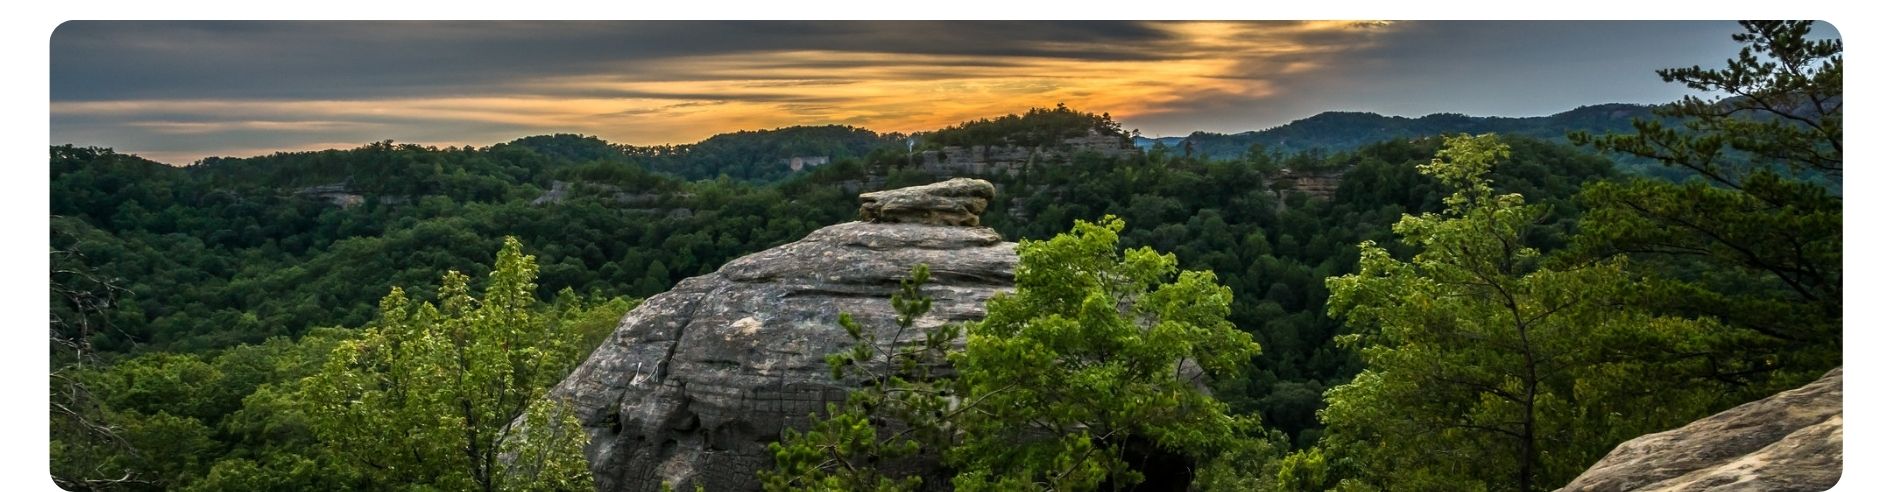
{"x":1338,"y":130}
{"x":240,"y":250}
{"x":1421,"y":302}
{"x":755,"y":156}
{"x":763,"y":155}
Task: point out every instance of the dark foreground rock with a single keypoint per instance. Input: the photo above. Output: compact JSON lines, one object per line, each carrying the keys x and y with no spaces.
{"x":697,"y":381}
{"x":1786,"y":442}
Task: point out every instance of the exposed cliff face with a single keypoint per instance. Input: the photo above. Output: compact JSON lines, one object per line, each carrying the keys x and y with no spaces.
{"x":1787,"y":442}
{"x":562,"y":190}
{"x":336,"y":194}
{"x":995,"y":160}
{"x":1319,"y":185}
{"x":697,"y":381}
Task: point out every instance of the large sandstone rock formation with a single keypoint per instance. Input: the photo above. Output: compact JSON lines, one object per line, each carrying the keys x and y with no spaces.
{"x":955,"y":202}
{"x":697,"y":381}
{"x":1786,"y":442}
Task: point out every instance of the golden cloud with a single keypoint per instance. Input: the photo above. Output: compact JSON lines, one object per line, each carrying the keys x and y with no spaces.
{"x":684,"y":99}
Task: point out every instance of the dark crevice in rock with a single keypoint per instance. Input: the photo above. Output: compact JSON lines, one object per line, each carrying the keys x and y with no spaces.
{"x":969,"y":278}
{"x":661,"y":371}
{"x":723,"y":363}
{"x":881,"y":247}
{"x":831,"y":294}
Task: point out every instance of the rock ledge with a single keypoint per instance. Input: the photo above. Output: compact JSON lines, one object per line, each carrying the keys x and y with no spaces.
{"x":1787,"y":442}
{"x":696,"y":382}
{"x":954,"y":202}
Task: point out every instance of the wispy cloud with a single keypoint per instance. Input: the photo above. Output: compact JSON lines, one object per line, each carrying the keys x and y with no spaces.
{"x":178,"y":91}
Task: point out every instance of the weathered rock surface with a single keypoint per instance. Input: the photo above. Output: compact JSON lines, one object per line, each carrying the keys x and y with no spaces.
{"x":562,"y":190}
{"x":1319,"y":185}
{"x":1787,"y":442}
{"x":336,"y":194}
{"x":697,"y":381}
{"x":954,"y":202}
{"x":989,"y":160}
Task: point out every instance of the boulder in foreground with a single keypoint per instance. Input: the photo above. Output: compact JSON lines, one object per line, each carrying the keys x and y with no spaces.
{"x":1787,"y":442}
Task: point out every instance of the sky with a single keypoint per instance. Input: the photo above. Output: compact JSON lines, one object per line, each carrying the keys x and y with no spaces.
{"x":177,"y":91}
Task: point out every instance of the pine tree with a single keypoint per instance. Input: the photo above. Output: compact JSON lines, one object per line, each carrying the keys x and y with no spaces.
{"x":1487,"y":367}
{"x":432,"y":394}
{"x":1754,"y":238}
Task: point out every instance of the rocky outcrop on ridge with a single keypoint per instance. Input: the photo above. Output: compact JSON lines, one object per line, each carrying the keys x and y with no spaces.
{"x":336,"y":194}
{"x":1319,"y":185}
{"x":992,"y":160}
{"x":562,"y":190}
{"x":1787,"y":442}
{"x":697,"y":381}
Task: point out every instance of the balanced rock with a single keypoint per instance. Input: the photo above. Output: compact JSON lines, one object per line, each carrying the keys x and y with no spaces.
{"x":1787,"y":442}
{"x":954,"y":202}
{"x":696,"y":382}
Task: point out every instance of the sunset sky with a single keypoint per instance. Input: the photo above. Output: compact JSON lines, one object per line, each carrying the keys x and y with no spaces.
{"x":179,"y":91}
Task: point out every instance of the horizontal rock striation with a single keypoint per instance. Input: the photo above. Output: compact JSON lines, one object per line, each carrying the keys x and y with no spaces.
{"x":955,"y":202}
{"x":696,"y":382}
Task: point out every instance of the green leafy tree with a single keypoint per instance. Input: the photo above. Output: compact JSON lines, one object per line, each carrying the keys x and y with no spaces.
{"x":1755,"y":238}
{"x":278,"y":471}
{"x":232,"y":251}
{"x":1090,"y":375}
{"x":1486,"y":366}
{"x":1038,"y":127}
{"x":430,"y":395}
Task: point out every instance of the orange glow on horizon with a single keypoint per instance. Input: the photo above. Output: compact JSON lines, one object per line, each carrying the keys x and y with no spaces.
{"x":686,"y":99}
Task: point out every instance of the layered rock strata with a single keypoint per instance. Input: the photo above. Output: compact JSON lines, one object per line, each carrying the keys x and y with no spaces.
{"x":1787,"y":442}
{"x":696,"y":382}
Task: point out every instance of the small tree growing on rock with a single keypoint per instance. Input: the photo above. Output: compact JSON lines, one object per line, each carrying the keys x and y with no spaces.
{"x":1087,"y":377}
{"x":846,"y":450}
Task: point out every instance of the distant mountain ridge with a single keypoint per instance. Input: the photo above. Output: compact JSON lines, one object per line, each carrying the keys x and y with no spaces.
{"x":763,"y":156}
{"x":1341,"y":130}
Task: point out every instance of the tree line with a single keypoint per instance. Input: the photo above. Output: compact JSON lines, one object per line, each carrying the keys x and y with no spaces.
{"x":214,"y":326}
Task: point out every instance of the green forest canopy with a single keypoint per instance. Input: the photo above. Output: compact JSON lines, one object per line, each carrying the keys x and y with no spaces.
{"x":225,"y":281}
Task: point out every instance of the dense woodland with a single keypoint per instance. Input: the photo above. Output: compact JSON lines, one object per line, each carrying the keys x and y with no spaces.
{"x":206,"y":318}
{"x":1337,"y":130}
{"x":1341,"y":131}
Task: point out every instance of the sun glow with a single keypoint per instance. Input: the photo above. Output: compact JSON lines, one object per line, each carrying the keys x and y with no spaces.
{"x":686,"y":98}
